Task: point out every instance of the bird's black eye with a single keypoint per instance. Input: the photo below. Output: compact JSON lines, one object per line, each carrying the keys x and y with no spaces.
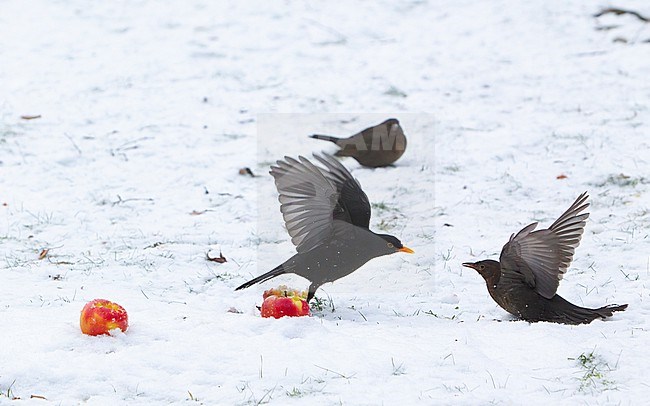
{"x":390,"y":245}
{"x":481,"y":267}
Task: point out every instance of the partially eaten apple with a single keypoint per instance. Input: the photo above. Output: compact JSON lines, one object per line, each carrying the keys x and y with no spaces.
{"x":100,"y":316}
{"x":281,"y":301}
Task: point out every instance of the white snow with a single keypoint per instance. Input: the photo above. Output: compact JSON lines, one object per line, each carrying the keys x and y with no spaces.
{"x":130,"y":176}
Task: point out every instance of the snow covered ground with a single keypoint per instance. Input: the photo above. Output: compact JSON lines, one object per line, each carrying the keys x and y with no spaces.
{"x":130,"y":176}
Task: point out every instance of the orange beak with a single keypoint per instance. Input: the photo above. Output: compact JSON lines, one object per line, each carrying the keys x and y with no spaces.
{"x":407,"y":250}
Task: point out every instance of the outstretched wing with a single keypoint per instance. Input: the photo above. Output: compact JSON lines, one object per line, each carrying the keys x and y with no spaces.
{"x":543,"y":256}
{"x":352,"y":200}
{"x":312,"y":198}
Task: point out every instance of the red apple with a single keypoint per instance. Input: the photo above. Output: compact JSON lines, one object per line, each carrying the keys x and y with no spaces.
{"x":282,"y":302}
{"x":100,"y":316}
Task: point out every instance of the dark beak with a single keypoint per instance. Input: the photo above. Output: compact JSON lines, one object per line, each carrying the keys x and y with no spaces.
{"x":470,"y":265}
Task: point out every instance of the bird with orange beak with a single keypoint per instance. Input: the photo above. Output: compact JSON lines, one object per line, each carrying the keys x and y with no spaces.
{"x":327,"y":215}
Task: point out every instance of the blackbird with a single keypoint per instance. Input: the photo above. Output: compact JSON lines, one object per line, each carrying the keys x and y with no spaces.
{"x":327,"y":215}
{"x":525,"y":279}
{"x":374,"y":147}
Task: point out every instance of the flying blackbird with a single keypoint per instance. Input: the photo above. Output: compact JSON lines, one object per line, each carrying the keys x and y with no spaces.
{"x":376,"y":146}
{"x":327,"y":216}
{"x":528,"y":273}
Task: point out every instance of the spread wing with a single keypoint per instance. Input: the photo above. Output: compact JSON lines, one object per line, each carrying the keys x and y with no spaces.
{"x":352,"y":200}
{"x":312,"y":198}
{"x":543,"y":256}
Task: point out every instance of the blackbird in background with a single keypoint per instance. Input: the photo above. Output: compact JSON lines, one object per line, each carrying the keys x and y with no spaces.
{"x":374,"y":147}
{"x":327,"y":216}
{"x":526,"y":278}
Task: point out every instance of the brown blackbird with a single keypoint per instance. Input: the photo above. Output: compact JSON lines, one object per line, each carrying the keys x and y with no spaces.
{"x":376,"y":146}
{"x":528,"y":273}
{"x":327,"y":215}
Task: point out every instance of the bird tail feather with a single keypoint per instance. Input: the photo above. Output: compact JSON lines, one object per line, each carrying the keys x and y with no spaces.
{"x":324,"y":137}
{"x":607,"y":311}
{"x":580,"y":315}
{"x":278,"y":270}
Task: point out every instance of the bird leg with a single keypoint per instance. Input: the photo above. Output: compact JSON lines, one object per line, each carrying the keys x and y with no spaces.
{"x":312,"y":291}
